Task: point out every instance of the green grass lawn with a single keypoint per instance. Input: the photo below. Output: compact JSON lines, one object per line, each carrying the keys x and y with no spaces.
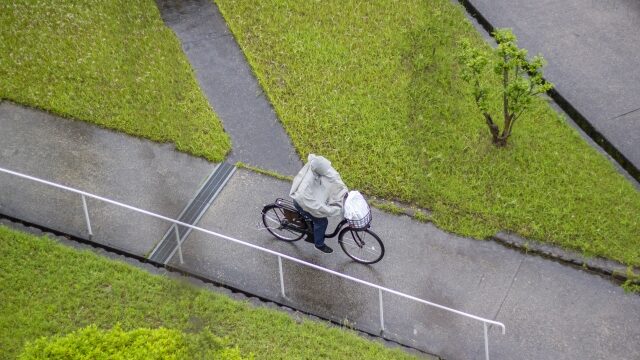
{"x":113,"y":63}
{"x":375,"y":87}
{"x":48,"y":289}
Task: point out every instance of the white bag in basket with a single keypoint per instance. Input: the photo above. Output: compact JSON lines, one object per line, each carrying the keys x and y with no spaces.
{"x":355,"y":207}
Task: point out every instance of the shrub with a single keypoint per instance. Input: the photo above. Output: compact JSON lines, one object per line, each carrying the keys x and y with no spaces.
{"x":93,"y":343}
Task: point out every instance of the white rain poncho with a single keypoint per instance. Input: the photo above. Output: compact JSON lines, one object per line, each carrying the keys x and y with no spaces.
{"x":318,"y":188}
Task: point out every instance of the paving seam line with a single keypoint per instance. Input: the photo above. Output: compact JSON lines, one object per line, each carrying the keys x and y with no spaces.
{"x":625,"y":114}
{"x":566,"y":106}
{"x":513,"y":280}
{"x":25,"y":226}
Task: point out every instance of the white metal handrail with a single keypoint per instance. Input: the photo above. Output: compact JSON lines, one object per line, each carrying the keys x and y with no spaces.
{"x":280,"y":256}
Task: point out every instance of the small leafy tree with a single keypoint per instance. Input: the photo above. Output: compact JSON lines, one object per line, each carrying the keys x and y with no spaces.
{"x":521,"y":80}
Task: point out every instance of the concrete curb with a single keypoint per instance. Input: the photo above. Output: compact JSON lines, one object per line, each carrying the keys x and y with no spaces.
{"x":609,"y":268}
{"x":194,"y":279}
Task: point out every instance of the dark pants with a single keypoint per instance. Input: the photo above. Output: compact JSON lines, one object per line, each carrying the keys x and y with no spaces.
{"x":319,"y":226}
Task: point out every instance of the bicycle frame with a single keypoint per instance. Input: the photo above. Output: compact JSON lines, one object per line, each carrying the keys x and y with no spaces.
{"x":288,"y":217}
{"x":335,"y":232}
{"x":309,"y":231}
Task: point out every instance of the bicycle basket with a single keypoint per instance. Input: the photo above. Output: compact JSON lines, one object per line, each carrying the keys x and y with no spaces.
{"x":362,"y":222}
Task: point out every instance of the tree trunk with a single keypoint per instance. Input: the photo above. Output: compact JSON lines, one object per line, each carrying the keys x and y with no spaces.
{"x":493,"y":128}
{"x":500,"y":141}
{"x":497,"y":139}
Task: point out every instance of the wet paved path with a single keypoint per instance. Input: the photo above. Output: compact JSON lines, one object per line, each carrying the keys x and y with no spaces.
{"x":593,"y":50}
{"x":551,"y":311}
{"x":73,"y":153}
{"x":224,"y":75}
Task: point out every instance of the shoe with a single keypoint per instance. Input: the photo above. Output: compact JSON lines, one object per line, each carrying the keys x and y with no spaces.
{"x":310,"y":239}
{"x":325,"y":249}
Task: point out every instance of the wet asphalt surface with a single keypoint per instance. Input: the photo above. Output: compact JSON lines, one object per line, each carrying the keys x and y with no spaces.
{"x":551,"y":311}
{"x":77,"y":154}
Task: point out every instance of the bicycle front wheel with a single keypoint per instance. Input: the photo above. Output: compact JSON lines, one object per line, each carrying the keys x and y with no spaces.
{"x":363,"y":246}
{"x":274,"y":220}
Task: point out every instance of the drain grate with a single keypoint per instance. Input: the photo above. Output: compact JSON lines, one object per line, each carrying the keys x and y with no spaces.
{"x":193,"y":212}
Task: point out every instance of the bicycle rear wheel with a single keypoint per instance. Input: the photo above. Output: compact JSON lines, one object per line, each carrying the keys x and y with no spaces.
{"x":363,"y":246}
{"x":274,"y":219}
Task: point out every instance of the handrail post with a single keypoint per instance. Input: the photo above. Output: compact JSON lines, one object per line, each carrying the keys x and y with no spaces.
{"x":381,"y":311}
{"x":179,"y":245}
{"x":281,"y":277}
{"x":486,"y":341}
{"x":86,"y":215}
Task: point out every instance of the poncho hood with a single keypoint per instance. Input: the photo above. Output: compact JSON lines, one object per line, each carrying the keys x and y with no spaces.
{"x":318,"y":188}
{"x":319,"y":164}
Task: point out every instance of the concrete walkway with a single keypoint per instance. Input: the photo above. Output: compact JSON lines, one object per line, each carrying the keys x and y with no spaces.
{"x":257,"y":136}
{"x":551,"y":311}
{"x":593,"y":50}
{"x":73,"y":153}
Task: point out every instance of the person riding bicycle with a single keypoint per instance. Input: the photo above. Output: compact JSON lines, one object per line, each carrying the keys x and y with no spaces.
{"x":318,"y":193}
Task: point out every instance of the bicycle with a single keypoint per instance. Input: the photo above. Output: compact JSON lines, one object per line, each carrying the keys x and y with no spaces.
{"x":357,"y":240}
